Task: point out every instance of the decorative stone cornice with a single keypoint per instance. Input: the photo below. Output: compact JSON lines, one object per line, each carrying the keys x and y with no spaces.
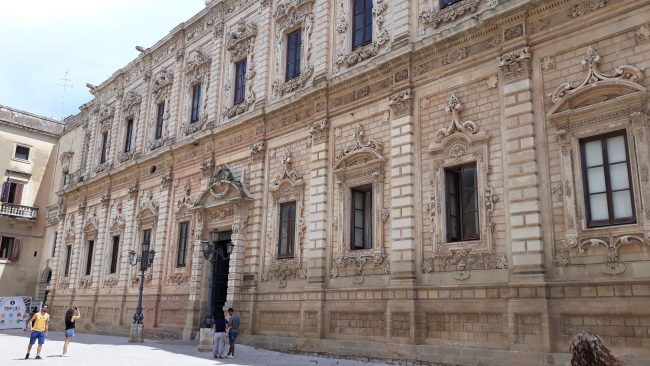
{"x":514,"y":64}
{"x":454,"y":106}
{"x":401,"y":103}
{"x":586,"y":7}
{"x":435,"y":17}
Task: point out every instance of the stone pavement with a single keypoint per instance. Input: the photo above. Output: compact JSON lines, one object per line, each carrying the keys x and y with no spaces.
{"x":100,"y":350}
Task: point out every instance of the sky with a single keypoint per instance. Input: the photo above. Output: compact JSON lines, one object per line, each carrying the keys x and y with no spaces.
{"x":41,"y":40}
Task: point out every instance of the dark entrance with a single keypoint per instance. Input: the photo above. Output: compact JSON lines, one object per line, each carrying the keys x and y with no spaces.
{"x":220,"y":273}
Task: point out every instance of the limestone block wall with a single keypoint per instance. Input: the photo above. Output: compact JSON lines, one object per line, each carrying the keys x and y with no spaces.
{"x":510,"y":87}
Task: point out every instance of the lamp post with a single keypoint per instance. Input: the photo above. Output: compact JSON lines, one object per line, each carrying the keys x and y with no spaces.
{"x":213,"y":253}
{"x":146,"y":260}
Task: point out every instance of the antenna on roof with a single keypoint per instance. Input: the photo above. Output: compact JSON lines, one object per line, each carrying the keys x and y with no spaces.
{"x":66,"y":83}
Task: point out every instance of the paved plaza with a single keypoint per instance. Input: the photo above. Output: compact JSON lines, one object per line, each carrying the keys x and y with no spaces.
{"x":99,"y":350}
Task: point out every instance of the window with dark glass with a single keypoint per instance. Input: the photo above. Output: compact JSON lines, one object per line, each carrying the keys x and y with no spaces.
{"x":12,"y":192}
{"x":196,"y":102}
{"x":89,"y":257}
{"x":462,"y":203}
{"x":294,"y":45}
{"x":115,"y":252}
{"x":240,"y":81}
{"x":146,"y":236}
{"x":68,"y":252}
{"x":183,"y":233}
{"x":102,"y":157}
{"x":6,"y":247}
{"x":159,"y":120}
{"x":287,"y":238}
{"x":22,"y":152}
{"x":56,"y":236}
{"x":129,"y":135}
{"x":361,"y":23}
{"x":607,"y":180}
{"x":66,"y":176}
{"x":361,"y":217}
{"x":446,"y":3}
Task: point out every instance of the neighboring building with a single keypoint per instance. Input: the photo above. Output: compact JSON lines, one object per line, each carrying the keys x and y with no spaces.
{"x":428,"y":180}
{"x":27,"y":153}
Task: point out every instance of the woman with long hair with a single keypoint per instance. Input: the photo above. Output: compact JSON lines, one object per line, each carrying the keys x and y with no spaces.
{"x":589,"y":350}
{"x":71,"y":315}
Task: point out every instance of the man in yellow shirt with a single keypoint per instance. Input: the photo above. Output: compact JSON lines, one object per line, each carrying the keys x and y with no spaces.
{"x":39,"y":324}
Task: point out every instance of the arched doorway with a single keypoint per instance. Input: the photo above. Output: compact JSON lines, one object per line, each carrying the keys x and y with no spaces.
{"x":42,"y":285}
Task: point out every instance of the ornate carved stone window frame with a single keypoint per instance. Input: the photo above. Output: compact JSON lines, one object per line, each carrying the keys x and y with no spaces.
{"x":90,"y":232}
{"x":240,"y":45}
{"x":147,"y":218}
{"x":287,"y":187}
{"x":345,"y":56}
{"x":357,"y":165}
{"x":197,"y":71}
{"x":161,"y":89}
{"x":601,"y":103}
{"x":118,"y":223}
{"x":177,"y":276}
{"x":105,"y":126}
{"x":131,"y":105}
{"x":289,"y":16}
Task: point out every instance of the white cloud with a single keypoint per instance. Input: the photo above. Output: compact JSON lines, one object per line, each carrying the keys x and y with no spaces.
{"x":40,"y":40}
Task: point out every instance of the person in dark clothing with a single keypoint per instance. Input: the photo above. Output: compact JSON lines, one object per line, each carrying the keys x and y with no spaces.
{"x":233,"y":331}
{"x":589,"y":350}
{"x":70,"y":317}
{"x":219,"y":340}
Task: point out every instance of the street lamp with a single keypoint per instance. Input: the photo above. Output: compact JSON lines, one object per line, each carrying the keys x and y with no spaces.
{"x":213,"y":253}
{"x":146,"y":260}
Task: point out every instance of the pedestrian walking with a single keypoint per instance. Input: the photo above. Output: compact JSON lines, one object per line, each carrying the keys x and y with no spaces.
{"x":71,"y":315}
{"x":233,"y":331}
{"x":589,"y":350}
{"x":39,"y":325}
{"x":219,"y":340}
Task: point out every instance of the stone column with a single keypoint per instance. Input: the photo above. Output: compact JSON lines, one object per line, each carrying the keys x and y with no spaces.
{"x":402,"y":183}
{"x":317,"y":220}
{"x":521,"y":178}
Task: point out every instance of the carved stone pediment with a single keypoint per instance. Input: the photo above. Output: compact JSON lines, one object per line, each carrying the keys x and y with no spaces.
{"x":106,"y":112}
{"x":360,"y":154}
{"x":148,"y":204}
{"x":196,"y":59}
{"x":284,"y":8}
{"x":131,"y":98}
{"x":457,"y":128}
{"x":240,"y":32}
{"x":222,"y":189}
{"x":596,"y":87}
{"x":162,"y":79}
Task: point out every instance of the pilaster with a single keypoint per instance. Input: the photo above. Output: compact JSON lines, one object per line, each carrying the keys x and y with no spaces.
{"x":402,"y":184}
{"x":317,"y":220}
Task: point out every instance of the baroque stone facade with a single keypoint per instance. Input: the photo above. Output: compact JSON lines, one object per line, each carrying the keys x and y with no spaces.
{"x":512,"y":89}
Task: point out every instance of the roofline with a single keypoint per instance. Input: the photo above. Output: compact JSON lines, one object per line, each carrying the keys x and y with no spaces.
{"x":32,"y":115}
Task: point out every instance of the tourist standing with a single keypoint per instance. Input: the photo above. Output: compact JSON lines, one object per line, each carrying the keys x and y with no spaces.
{"x":39,"y":325}
{"x":70,"y":317}
{"x":233,"y":331}
{"x":589,"y":350}
{"x":219,"y":340}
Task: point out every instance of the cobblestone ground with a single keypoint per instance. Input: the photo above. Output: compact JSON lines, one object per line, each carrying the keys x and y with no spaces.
{"x":100,"y":350}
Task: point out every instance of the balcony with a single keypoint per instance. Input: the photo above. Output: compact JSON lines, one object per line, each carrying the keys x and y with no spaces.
{"x":25,"y":212}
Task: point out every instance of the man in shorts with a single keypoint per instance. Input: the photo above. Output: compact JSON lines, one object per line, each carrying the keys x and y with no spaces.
{"x":232,"y":333}
{"x":39,"y":325}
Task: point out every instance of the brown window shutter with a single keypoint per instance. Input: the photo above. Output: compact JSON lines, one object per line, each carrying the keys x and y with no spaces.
{"x":15,"y":250}
{"x":5,"y":191}
{"x":19,"y":194}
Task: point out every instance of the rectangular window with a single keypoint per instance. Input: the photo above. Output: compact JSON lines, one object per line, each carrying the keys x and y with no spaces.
{"x":102,"y":158}
{"x":462,"y":203}
{"x":89,"y":257}
{"x":65,"y":178}
{"x":294,"y":46}
{"x":129,"y":135}
{"x":68,"y":253}
{"x":361,"y":23}
{"x":12,"y":193}
{"x":115,"y":252}
{"x":196,"y":102}
{"x":361,"y":217}
{"x":22,"y":152}
{"x":240,"y":81}
{"x":183,"y":232}
{"x":159,"y":120}
{"x":446,"y":3}
{"x":287,"y":238}
{"x":606,"y":177}
{"x":6,"y":247}
{"x":56,"y":236}
{"x":146,"y":237}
